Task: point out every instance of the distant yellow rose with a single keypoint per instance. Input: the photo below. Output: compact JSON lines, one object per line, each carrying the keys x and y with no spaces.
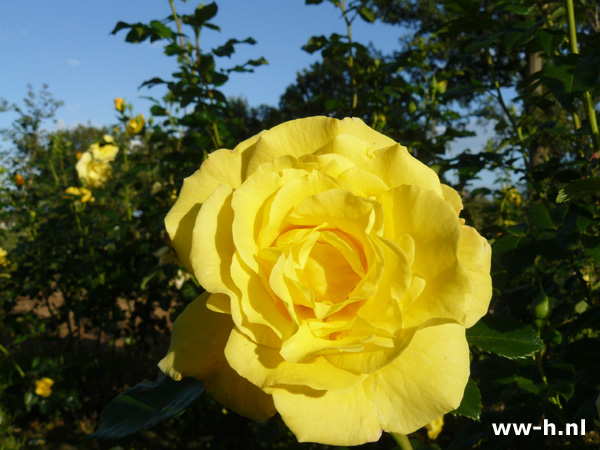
{"x":43,"y":387}
{"x":104,"y":151}
{"x":135,"y":125}
{"x":94,"y":172}
{"x":119,"y":104}
{"x":435,"y":428}
{"x":84,"y":194}
{"x":340,"y":281}
{"x":3,"y":255}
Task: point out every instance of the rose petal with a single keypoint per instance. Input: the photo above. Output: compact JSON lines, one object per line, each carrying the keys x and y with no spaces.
{"x":197,"y":350}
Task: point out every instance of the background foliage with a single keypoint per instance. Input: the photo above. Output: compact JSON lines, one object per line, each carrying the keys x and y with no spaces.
{"x":89,"y":289}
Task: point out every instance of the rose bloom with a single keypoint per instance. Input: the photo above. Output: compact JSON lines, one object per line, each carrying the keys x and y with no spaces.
{"x":339,"y":282}
{"x":135,"y":124}
{"x":104,"y":151}
{"x":43,"y":387}
{"x":94,"y":172}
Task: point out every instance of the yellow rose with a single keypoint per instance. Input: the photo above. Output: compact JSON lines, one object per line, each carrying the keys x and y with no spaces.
{"x":84,"y":194}
{"x":94,"y":172}
{"x":3,"y":259}
{"x":435,"y":428}
{"x":135,"y":125}
{"x":105,"y":151}
{"x":340,"y":281}
{"x":119,"y":104}
{"x":43,"y":387}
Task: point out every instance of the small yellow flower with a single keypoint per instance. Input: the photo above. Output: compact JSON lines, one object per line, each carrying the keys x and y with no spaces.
{"x":85,"y":194}
{"x":93,"y":171}
{"x":43,"y":387}
{"x":119,"y":104}
{"x":135,"y":124}
{"x":3,"y":259}
{"x":435,"y":428}
{"x":19,"y":180}
{"x":512,"y":195}
{"x":78,"y":155}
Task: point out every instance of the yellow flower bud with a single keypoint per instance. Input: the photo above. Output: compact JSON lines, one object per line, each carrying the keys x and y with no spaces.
{"x":135,"y":124}
{"x":119,"y":104}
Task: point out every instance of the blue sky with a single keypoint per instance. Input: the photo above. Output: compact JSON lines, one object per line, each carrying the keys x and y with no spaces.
{"x":67,"y":44}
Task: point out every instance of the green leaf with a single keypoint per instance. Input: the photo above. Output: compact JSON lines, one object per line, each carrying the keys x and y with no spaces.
{"x":578,"y":189}
{"x":367,"y":14}
{"x":205,"y":12}
{"x":470,"y":406}
{"x":313,"y":2}
{"x":505,"y":337}
{"x":539,"y":216}
{"x":120,"y":26}
{"x":145,"y":405}
{"x":518,"y":9}
{"x":161,"y":29}
{"x":550,"y":39}
{"x":315,"y":43}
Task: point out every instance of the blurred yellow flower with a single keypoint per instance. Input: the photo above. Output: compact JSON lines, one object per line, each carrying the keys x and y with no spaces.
{"x":94,"y":172}
{"x":43,"y":387}
{"x":104,"y":151}
{"x":85,"y":194}
{"x":435,"y":428}
{"x":135,"y":124}
{"x":19,"y":180}
{"x":119,"y":104}
{"x":512,"y":195}
{"x":3,"y":259}
{"x":78,"y":155}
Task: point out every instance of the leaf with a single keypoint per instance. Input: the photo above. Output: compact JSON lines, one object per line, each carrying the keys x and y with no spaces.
{"x":367,"y":14}
{"x":315,"y":43}
{"x":578,"y":189}
{"x":145,"y":405}
{"x":518,"y":9}
{"x":539,"y":216}
{"x":313,"y":2}
{"x":205,"y":12}
{"x":161,"y":29}
{"x":470,"y":406}
{"x":550,"y":39}
{"x":505,"y":337}
{"x":120,"y":26}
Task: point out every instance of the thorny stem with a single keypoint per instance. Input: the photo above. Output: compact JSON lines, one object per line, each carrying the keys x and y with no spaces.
{"x":402,"y":441}
{"x":350,"y":55}
{"x":587,"y":96}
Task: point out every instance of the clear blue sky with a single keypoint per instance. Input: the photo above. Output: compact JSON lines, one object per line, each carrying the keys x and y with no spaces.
{"x":67,"y":44}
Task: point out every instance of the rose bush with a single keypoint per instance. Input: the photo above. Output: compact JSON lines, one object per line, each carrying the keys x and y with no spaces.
{"x":339,"y":282}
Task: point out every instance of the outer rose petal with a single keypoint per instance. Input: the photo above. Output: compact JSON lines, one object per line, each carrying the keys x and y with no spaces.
{"x":475,"y":253}
{"x":197,"y":350}
{"x":400,"y":398}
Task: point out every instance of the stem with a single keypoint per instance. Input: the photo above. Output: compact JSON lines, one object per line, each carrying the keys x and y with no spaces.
{"x":587,"y":97}
{"x":17,"y":367}
{"x":179,"y":31}
{"x":350,"y":55}
{"x":402,"y":441}
{"x":126,"y":169}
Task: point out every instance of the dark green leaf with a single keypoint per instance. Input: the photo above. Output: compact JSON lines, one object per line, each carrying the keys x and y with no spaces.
{"x":119,"y":27}
{"x":539,"y":216}
{"x":505,"y":337}
{"x":578,"y":189}
{"x":315,"y":43}
{"x":367,"y":14}
{"x":146,"y":404}
{"x":161,"y":29}
{"x":313,"y":2}
{"x":470,"y":406}
{"x":205,"y":12}
{"x":550,"y":39}
{"x":518,"y":9}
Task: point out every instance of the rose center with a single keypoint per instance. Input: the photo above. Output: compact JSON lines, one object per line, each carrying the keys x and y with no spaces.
{"x":328,"y":274}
